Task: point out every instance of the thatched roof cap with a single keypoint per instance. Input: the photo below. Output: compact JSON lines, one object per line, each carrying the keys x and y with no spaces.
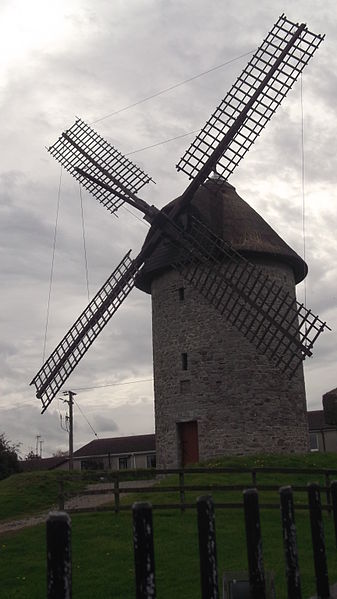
{"x":222,"y":210}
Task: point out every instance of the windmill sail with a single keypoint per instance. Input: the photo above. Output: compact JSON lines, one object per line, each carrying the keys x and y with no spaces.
{"x":79,"y":338}
{"x":80,"y":148}
{"x":273,"y":321}
{"x":262,"y":311}
{"x":252,"y":100}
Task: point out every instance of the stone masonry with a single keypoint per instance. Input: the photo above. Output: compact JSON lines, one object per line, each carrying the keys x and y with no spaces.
{"x":206,"y":371}
{"x":241,"y":403}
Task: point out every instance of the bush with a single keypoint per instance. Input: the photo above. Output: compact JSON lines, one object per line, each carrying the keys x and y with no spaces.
{"x":9,"y":461}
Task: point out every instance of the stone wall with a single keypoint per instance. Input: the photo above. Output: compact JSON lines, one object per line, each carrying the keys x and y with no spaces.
{"x":242,"y":404}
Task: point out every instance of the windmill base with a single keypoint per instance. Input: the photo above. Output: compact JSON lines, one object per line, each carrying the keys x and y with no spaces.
{"x":214,"y":394}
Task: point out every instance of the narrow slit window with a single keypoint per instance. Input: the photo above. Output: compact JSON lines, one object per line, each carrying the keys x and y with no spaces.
{"x":184,"y":361}
{"x":181,"y":292}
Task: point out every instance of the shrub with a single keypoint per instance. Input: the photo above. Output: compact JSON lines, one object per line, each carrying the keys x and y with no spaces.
{"x":9,"y":461}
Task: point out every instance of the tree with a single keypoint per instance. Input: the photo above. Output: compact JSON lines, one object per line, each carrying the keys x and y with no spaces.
{"x":31,"y":455}
{"x":60,"y":453}
{"x":9,"y":461}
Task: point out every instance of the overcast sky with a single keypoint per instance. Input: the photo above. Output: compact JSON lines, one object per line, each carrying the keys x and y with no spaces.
{"x":67,"y":58}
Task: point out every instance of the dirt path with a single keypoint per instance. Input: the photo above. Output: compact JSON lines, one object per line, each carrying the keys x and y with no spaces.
{"x":78,"y":502}
{"x":24,"y":523}
{"x":89,"y":501}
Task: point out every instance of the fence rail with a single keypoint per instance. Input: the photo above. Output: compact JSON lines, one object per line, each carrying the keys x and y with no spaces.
{"x":182,"y":488}
{"x":59,"y":547}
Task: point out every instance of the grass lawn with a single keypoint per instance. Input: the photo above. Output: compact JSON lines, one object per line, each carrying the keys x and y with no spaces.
{"x":103,"y":555}
{"x":310,"y":461}
{"x":103,"y":550}
{"x":29,"y":493}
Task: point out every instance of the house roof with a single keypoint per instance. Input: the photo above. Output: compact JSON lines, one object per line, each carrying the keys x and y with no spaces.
{"x":316,"y":421}
{"x":118,"y":445}
{"x":42,"y":463}
{"x":217,"y":205}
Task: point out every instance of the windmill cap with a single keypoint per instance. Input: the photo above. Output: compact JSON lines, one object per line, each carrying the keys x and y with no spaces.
{"x":224,"y":212}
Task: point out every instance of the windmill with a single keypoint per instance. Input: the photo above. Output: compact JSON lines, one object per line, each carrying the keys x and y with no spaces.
{"x":249,"y":298}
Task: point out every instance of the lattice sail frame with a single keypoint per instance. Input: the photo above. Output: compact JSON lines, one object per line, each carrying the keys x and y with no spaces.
{"x":81,"y":147}
{"x":79,"y":338}
{"x":241,"y":116}
{"x":269,"y":317}
{"x":267,"y":63}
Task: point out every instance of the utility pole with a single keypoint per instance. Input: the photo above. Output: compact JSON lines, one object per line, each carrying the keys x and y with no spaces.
{"x":70,"y":402}
{"x":38,"y":437}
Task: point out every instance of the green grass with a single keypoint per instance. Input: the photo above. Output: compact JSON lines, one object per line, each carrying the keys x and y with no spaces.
{"x":310,"y":461}
{"x":30,"y":493}
{"x":103,"y":551}
{"x":103,"y":555}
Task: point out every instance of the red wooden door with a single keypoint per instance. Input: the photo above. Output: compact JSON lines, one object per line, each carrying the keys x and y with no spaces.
{"x":189,"y":442}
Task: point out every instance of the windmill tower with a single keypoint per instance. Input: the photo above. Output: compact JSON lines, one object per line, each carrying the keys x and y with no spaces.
{"x":214,"y":393}
{"x":229,"y":335}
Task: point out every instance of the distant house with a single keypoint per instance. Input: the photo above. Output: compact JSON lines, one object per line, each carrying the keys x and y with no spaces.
{"x":323,"y":436}
{"x":117,"y":453}
{"x":139,"y":451}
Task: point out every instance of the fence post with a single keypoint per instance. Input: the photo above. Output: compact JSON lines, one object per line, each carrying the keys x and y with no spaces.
{"x":58,"y":556}
{"x":143,"y":551}
{"x":254,"y":544}
{"x":318,"y":544}
{"x":290,"y":544}
{"x":207,"y":548}
{"x":328,"y":492}
{"x":182,"y":490}
{"x":254,"y":478}
{"x":61,"y":496}
{"x":116,"y":493}
{"x":334,"y":505}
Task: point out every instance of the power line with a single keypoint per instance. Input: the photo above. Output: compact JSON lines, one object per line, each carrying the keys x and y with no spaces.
{"x":113,"y":384}
{"x":28,"y":402}
{"x":24,"y":404}
{"x":86,"y":419}
{"x":170,"y":88}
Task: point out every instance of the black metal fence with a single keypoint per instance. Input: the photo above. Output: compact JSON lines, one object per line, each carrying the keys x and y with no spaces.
{"x":59,"y":547}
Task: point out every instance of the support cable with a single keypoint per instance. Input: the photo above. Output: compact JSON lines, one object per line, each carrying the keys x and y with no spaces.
{"x":52,"y":267}
{"x":84,"y":244}
{"x":136,"y":216}
{"x":303,"y":186}
{"x":161,"y":143}
{"x":167,"y":89}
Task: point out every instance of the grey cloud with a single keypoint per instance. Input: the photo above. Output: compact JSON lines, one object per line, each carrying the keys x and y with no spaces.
{"x":112,"y":58}
{"x":103,"y":424}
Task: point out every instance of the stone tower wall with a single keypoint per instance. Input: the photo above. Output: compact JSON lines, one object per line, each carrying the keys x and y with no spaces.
{"x":241,"y":403}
